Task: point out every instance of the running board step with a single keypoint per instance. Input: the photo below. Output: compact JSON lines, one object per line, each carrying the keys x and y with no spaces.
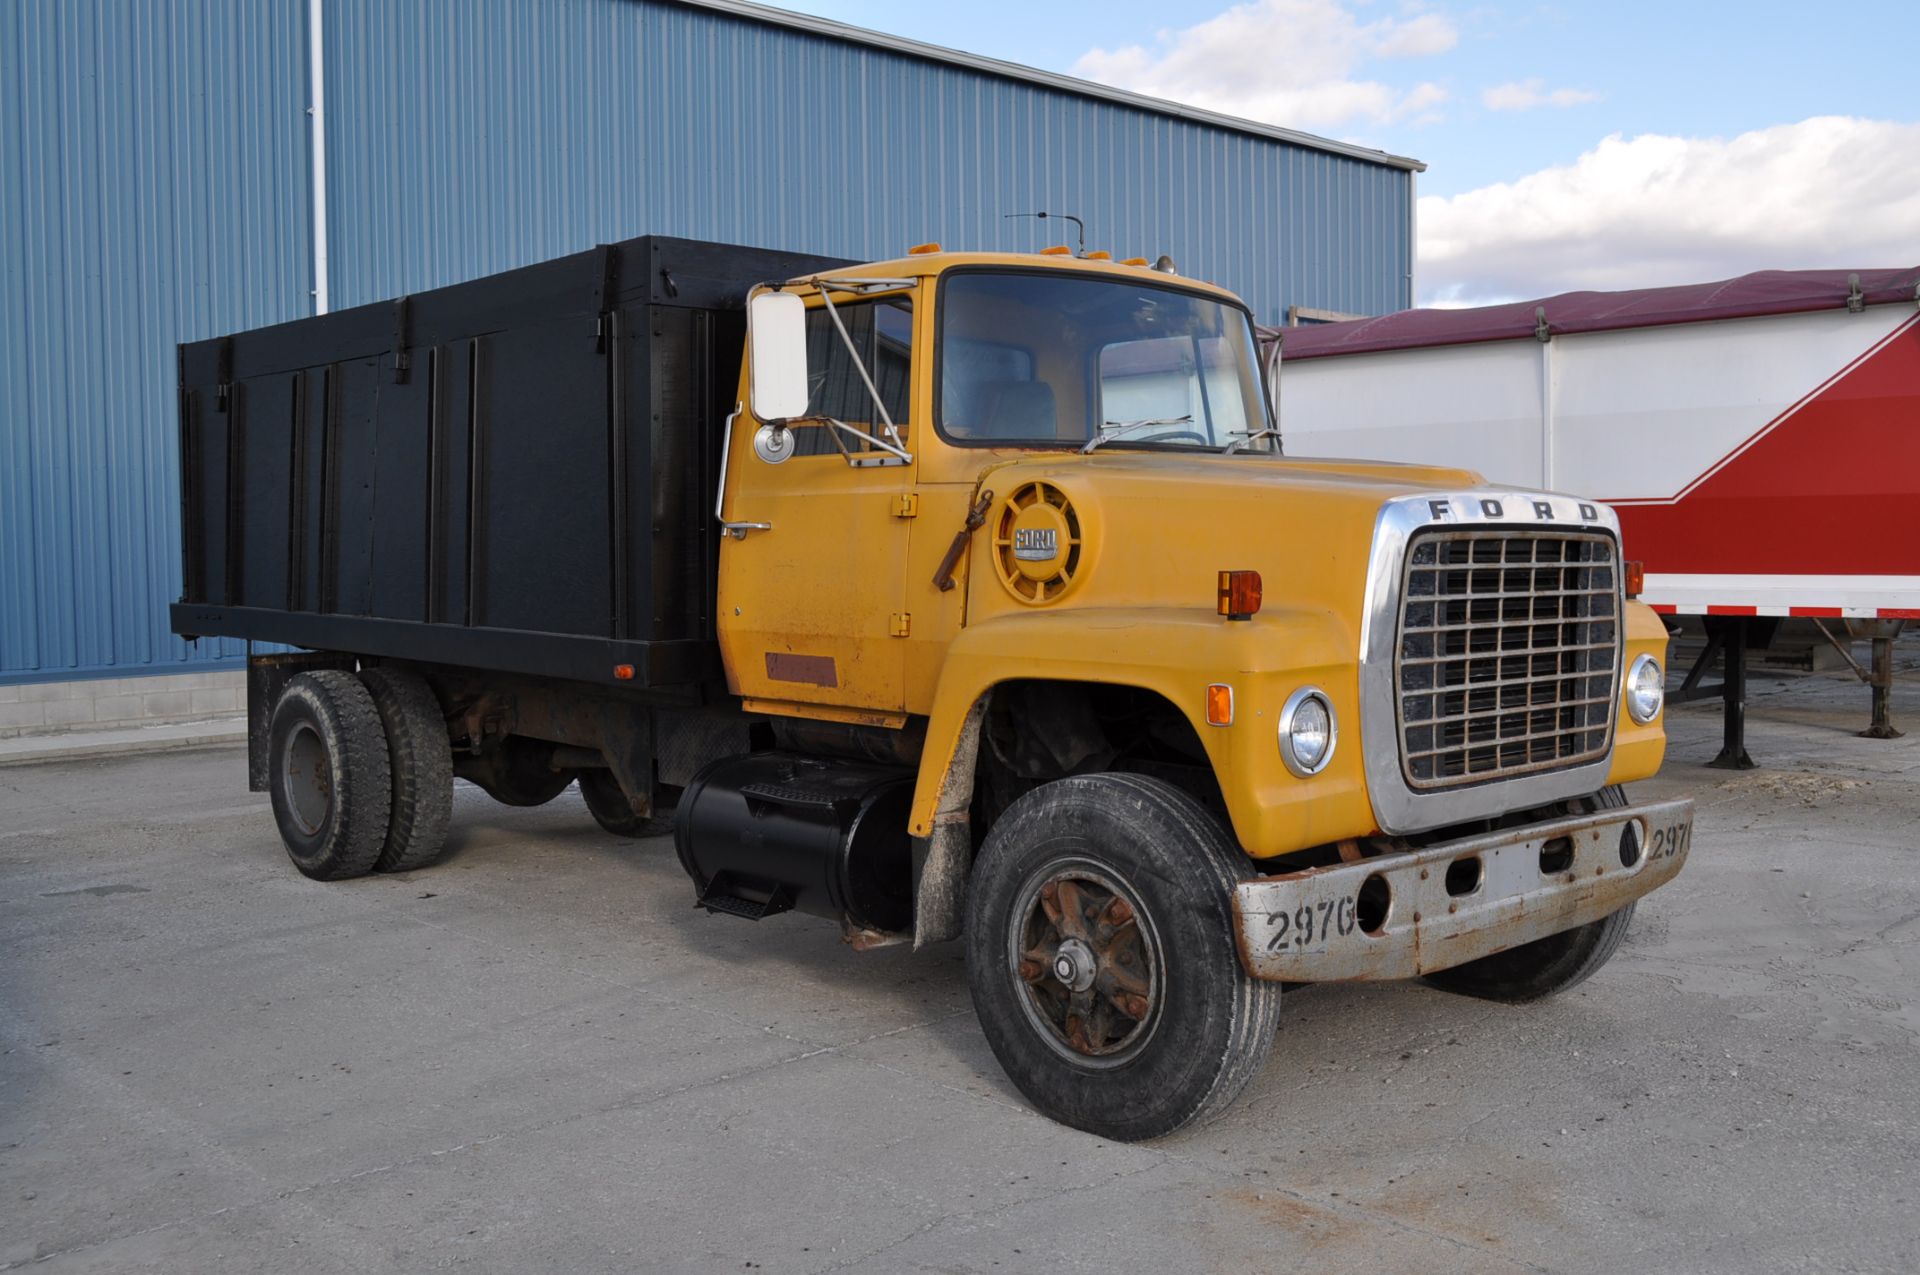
{"x":722,"y":895}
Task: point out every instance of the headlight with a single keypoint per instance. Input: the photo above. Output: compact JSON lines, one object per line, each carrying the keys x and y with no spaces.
{"x":1308,"y":731}
{"x":1646,"y":689}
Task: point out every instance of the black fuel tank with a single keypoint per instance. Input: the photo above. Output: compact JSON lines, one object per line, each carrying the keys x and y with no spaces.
{"x":766,"y":832}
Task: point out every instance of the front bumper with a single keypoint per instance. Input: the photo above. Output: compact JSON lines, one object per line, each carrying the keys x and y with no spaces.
{"x":1325,"y":925}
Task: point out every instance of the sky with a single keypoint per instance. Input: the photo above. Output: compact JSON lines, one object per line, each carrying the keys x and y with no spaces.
{"x":1569,"y":145}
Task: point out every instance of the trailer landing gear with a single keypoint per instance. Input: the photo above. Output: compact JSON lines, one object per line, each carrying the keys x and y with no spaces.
{"x":1726,"y":636}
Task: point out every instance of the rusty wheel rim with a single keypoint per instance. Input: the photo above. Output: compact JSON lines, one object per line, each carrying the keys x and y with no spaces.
{"x":1086,"y":963}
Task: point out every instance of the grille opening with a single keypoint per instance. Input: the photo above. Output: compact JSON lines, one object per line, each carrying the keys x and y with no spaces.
{"x":1372,"y":904}
{"x":1629,"y":845}
{"x":1463,"y":876}
{"x":1507,"y":656}
{"x":1556,"y":856}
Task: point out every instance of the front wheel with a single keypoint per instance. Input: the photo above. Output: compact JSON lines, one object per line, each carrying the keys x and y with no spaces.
{"x":1101,"y":958}
{"x":1548,"y":966}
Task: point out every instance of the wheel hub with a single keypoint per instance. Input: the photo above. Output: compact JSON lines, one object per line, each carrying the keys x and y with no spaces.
{"x":1073,"y":965}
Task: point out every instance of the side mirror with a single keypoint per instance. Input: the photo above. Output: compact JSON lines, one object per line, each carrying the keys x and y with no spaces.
{"x":777,"y":352}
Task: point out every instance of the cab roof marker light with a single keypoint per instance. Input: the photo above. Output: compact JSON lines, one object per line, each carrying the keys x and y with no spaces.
{"x":1058,"y":250}
{"x":923,"y":249}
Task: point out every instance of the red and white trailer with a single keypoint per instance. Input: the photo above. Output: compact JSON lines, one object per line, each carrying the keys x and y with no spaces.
{"x":1760,"y":436}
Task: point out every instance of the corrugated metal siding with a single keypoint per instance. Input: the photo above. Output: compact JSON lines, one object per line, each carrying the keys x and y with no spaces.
{"x":491,"y":134}
{"x":154,"y":191}
{"x":156,"y":169}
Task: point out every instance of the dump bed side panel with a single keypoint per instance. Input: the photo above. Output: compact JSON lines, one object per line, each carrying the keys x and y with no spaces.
{"x":508,"y":473}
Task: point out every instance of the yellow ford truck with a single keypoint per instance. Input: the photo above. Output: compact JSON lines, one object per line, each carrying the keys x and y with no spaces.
{"x":962,"y":596}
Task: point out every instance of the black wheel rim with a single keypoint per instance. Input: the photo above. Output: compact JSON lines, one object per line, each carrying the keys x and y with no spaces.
{"x":306,"y":780}
{"x":1086,"y":963}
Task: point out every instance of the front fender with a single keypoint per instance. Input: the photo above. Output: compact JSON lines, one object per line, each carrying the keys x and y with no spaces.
{"x":1638,"y":750}
{"x":1175,"y":653}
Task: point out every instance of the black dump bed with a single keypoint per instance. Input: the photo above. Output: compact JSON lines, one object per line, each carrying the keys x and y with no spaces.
{"x":514,"y":473}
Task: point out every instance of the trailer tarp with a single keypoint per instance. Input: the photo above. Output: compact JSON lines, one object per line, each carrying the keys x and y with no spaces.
{"x":1761,"y":293}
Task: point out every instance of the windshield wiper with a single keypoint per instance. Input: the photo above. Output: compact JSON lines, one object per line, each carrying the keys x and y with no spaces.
{"x":1114,"y":429}
{"x":1242,"y":438}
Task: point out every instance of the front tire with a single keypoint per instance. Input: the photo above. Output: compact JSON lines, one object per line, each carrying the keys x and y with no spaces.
{"x":1101,"y":957}
{"x":1545,"y":967}
{"x":328,"y":775}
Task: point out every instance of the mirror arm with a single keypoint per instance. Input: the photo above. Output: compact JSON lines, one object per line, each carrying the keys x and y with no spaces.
{"x":860,"y":366}
{"x":738,"y":530}
{"x":837,"y":427}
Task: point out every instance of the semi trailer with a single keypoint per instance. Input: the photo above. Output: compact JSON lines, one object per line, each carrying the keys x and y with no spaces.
{"x":1693,"y":410}
{"x":961,"y":596}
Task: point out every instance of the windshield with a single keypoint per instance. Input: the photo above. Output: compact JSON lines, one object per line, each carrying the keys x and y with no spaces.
{"x":1053,"y":359}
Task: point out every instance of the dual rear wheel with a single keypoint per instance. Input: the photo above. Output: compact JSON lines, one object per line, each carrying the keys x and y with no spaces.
{"x":361,"y":776}
{"x":361,"y":773}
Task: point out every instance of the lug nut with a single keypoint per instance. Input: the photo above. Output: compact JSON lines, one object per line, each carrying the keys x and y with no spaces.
{"x":1119,"y":912}
{"x":1133,"y":1006}
{"x":1031,"y":971}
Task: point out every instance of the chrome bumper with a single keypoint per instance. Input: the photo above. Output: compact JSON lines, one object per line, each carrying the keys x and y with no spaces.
{"x":1313,"y":926}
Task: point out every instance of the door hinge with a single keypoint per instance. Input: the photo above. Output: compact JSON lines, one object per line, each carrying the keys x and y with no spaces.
{"x":906,"y":505}
{"x":902,"y":624}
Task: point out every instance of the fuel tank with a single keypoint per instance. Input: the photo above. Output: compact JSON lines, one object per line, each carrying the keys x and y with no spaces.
{"x":771,"y":832}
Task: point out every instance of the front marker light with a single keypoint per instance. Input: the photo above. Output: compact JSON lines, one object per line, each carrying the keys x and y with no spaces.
{"x":1646,"y":689}
{"x":1308,"y":731}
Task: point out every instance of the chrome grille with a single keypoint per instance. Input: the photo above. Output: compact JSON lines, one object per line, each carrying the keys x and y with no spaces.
{"x":1508,"y":652}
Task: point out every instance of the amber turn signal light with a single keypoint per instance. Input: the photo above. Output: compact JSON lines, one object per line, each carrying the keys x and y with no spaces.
{"x":1636,"y":578}
{"x":1239,"y":594}
{"x":1219,"y":704}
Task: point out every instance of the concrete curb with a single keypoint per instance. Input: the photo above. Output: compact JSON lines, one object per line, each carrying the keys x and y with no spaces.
{"x":27,"y":750}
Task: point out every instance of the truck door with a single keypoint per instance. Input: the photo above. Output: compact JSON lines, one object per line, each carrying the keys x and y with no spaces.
{"x":812,"y":607}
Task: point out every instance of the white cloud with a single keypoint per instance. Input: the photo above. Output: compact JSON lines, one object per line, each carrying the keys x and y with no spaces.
{"x":1287,"y":62}
{"x":1645,"y":211}
{"x":1525,"y":95}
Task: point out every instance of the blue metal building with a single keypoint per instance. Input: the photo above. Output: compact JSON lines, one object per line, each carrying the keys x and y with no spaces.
{"x":185,"y":168}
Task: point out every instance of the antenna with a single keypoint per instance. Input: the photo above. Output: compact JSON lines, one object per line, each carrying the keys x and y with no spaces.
{"x":1081,"y":225}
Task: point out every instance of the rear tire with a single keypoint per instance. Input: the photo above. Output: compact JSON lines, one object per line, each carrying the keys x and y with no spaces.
{"x":608,"y":804}
{"x":1151,"y":1023}
{"x":1548,"y":966}
{"x":420,"y":758}
{"x":328,"y":775}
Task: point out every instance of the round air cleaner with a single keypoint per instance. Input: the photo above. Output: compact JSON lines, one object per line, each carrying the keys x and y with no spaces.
{"x":1036,"y":543}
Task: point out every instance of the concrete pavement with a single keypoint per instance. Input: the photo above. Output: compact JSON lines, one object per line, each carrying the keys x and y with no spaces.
{"x":540,"y":1056}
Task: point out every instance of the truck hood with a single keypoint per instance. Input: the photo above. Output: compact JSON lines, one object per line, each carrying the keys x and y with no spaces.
{"x":1155,"y":530}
